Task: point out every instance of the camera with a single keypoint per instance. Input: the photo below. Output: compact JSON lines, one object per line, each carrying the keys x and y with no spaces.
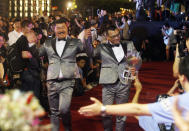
{"x":161,"y":97}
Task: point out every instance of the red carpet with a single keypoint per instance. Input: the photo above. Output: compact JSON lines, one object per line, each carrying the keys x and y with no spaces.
{"x":156,"y":78}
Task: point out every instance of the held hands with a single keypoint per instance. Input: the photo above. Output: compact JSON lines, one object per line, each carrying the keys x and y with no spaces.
{"x":91,"y":110}
{"x":26,"y":54}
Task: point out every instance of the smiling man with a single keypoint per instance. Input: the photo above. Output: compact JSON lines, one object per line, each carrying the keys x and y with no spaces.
{"x":61,"y":74}
{"x":114,"y":61}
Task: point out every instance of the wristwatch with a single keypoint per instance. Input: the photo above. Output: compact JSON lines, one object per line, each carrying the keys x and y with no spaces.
{"x":103,"y":110}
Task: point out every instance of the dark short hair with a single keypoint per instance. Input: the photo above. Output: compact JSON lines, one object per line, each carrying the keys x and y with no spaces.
{"x":25,"y":23}
{"x":87,"y":25}
{"x":184,"y":67}
{"x":37,"y":31}
{"x":111,"y":27}
{"x":16,"y":20}
{"x":81,"y":58}
{"x":166,"y":24}
{"x":126,"y":18}
{"x":61,"y":20}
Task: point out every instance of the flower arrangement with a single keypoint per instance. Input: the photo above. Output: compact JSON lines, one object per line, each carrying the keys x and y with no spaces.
{"x":19,"y":111}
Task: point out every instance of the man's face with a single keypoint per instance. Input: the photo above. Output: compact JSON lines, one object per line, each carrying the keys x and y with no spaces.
{"x":61,"y":30}
{"x":31,"y":37}
{"x":114,"y":36}
{"x":17,"y":26}
{"x":57,"y":17}
{"x":28,"y":28}
{"x":81,"y":63}
{"x":105,"y":12}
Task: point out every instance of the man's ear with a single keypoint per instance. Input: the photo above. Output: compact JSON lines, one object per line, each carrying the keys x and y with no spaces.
{"x":183,"y":79}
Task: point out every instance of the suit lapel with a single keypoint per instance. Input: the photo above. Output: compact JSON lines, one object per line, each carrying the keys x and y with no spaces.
{"x":66,"y":45}
{"x":54,"y":46}
{"x":124,"y":46}
{"x":110,"y":51}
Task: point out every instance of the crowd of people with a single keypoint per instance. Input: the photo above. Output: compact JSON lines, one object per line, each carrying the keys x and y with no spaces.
{"x":58,"y":57}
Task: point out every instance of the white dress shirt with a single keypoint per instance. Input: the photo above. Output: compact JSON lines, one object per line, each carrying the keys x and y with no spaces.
{"x":93,"y":33}
{"x":59,"y":48}
{"x":13,"y":37}
{"x":81,"y":36}
{"x":118,"y":52}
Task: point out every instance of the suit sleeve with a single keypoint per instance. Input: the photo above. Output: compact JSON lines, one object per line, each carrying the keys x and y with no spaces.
{"x":42,"y":50}
{"x":96,"y":52}
{"x":138,"y":65}
{"x":85,"y":47}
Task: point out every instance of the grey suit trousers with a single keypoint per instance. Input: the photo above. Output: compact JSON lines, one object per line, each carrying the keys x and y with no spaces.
{"x":120,"y":94}
{"x":60,"y":95}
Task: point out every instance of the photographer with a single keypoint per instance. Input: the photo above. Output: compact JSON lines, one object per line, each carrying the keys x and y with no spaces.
{"x":181,"y":51}
{"x":161,"y":112}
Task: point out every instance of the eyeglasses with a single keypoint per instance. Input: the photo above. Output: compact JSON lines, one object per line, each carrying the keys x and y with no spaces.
{"x":114,"y":36}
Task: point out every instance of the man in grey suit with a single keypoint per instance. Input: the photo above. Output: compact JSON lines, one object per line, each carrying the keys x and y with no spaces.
{"x":61,"y":74}
{"x":114,"y":61}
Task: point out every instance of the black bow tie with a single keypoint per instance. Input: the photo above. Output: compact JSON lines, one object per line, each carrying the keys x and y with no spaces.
{"x":114,"y":45}
{"x":63,"y":39}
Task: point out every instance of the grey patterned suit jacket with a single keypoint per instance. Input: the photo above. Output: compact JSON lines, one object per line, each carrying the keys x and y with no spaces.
{"x":111,"y":69}
{"x":67,"y":62}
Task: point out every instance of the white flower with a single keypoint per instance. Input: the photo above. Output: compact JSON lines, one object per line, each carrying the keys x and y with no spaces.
{"x":18,"y":111}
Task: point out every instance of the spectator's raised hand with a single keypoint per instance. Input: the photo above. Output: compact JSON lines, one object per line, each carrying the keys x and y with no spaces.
{"x":93,"y":109}
{"x":95,"y":43}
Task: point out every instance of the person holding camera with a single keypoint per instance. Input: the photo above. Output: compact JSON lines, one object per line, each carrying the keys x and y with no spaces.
{"x":181,"y":51}
{"x":168,"y":37}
